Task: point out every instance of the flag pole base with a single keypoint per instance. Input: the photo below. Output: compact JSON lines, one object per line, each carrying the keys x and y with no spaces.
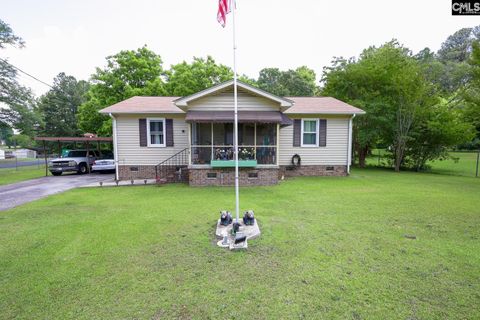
{"x":228,"y":238}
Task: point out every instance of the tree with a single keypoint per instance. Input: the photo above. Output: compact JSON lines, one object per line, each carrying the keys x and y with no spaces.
{"x":22,"y":140}
{"x":22,"y":115}
{"x":20,"y":112}
{"x":388,"y":83}
{"x":448,"y":69}
{"x":298,"y":82}
{"x":413,"y":93}
{"x":471,"y":94}
{"x":6,"y":133}
{"x":128,"y":73}
{"x":457,"y":47}
{"x":187,"y":78}
{"x":59,"y":106}
{"x":248,"y":80}
{"x":7,"y":37}
{"x":448,"y":76}
{"x":436,"y":130}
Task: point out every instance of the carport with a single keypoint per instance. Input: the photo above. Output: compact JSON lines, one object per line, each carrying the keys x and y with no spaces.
{"x":89,"y":141}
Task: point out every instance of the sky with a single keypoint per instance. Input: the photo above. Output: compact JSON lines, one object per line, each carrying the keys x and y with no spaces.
{"x":75,"y":36}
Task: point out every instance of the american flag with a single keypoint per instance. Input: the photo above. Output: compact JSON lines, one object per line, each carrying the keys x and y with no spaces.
{"x":223,"y":10}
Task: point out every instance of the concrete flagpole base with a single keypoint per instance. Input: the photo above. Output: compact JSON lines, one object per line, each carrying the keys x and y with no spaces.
{"x":228,"y":238}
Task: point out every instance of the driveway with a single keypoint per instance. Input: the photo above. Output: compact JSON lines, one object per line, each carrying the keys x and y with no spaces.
{"x":15,"y":194}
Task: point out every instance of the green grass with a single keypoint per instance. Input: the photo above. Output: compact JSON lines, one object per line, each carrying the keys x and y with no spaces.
{"x":465,"y":166}
{"x":10,"y":175}
{"x":330,"y":248}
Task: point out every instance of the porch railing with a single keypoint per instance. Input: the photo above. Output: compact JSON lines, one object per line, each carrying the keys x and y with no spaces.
{"x":263,"y":154}
{"x":173,"y":169}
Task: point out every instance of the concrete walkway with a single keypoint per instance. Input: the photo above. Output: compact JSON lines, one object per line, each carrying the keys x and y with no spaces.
{"x":12,"y":195}
{"x":120,"y":183}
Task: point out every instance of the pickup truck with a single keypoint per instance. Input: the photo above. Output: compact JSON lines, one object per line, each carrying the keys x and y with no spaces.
{"x":74,"y":161}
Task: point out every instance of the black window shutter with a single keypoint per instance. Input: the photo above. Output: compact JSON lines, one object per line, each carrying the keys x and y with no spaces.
{"x":142,"y":130}
{"x":297,"y":132}
{"x":322,"y":139}
{"x":169,"y":132}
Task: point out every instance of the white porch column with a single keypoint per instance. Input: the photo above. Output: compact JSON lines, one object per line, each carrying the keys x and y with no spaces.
{"x":277,"y":151}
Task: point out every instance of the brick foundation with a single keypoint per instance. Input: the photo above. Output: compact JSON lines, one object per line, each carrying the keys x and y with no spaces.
{"x":226,"y":177}
{"x":321,"y":170}
{"x":136,"y":172}
{"x":167,"y":174}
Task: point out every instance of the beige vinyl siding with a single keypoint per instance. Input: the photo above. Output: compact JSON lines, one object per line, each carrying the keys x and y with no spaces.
{"x":224,"y":101}
{"x":335,"y":153}
{"x":130,"y":152}
{"x":128,"y":141}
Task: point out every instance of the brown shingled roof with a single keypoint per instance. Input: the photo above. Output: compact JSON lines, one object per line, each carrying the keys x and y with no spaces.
{"x":322,"y":105}
{"x":144,"y":105}
{"x":302,"y":105}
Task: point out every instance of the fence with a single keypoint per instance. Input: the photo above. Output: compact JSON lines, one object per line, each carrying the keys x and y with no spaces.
{"x":13,"y":162}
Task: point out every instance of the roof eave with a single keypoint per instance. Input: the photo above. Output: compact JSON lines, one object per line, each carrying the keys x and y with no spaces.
{"x":141,"y":112}
{"x":329,"y":112}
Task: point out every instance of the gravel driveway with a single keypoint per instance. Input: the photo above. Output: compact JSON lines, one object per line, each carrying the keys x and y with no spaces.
{"x":12,"y":195}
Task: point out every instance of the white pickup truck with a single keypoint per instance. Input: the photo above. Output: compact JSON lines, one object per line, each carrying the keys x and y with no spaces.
{"x":75,"y":161}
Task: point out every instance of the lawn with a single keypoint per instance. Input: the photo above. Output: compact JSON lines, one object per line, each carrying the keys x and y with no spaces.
{"x":462,"y":164}
{"x":12,"y":175}
{"x":375,"y":245}
{"x":465,"y":166}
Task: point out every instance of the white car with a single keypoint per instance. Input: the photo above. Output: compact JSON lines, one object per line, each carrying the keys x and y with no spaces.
{"x":104,"y":165}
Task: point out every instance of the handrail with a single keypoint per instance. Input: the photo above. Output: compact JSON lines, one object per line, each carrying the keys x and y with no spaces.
{"x":176,"y":154}
{"x":173,"y":166}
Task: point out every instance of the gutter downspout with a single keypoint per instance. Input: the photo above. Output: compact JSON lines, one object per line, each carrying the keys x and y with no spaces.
{"x":115,"y":149}
{"x":349,"y":147}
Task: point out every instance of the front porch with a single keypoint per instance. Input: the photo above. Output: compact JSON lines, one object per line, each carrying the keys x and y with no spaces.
{"x":212,"y":145}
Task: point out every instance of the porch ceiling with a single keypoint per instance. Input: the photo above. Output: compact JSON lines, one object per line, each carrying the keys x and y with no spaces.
{"x":243,"y":116}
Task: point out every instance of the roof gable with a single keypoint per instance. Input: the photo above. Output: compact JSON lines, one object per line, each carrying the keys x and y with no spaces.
{"x":183,"y":102}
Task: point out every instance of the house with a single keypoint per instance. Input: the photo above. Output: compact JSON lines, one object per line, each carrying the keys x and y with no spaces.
{"x":175,"y":138}
{"x":25,"y":153}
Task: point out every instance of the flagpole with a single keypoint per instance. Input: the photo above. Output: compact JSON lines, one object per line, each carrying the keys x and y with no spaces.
{"x":235,"y":108}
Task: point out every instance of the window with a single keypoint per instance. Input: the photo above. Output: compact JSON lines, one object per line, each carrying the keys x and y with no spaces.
{"x":309,"y":133}
{"x":76,"y":154}
{"x":201,"y":134}
{"x":253,"y":175}
{"x":211,"y":175}
{"x":156,"y":132}
{"x":266,"y":134}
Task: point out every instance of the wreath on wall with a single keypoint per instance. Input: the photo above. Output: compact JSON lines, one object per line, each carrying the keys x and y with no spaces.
{"x":296,"y":160}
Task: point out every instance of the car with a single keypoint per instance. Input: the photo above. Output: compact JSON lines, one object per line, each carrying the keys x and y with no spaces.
{"x":75,"y":161}
{"x":104,"y":165}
